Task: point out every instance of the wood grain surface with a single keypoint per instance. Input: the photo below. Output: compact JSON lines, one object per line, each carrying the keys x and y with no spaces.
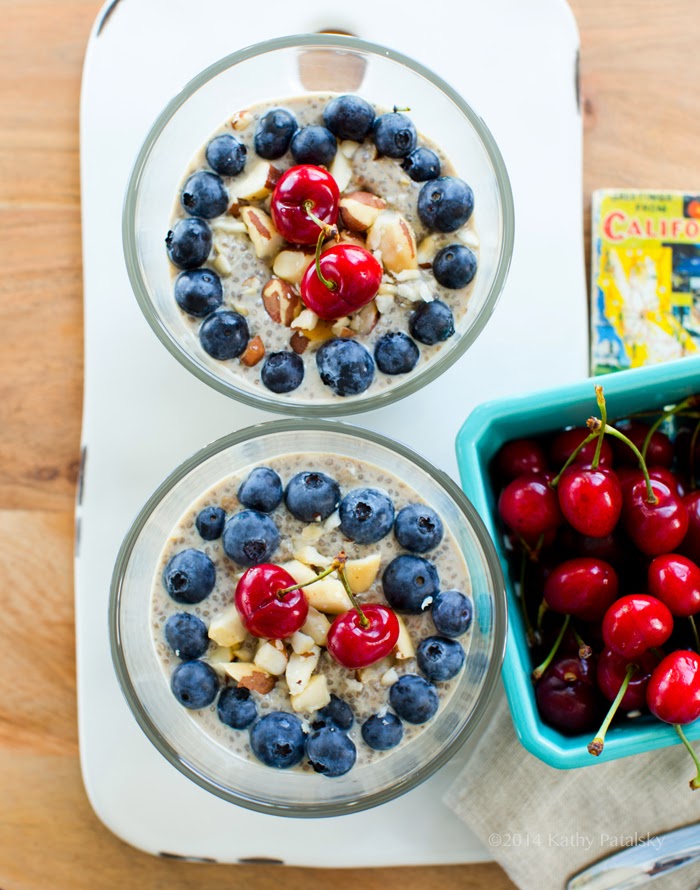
{"x":640,"y":88}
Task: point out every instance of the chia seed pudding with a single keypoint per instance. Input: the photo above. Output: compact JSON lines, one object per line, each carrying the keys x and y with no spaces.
{"x":211,"y":661}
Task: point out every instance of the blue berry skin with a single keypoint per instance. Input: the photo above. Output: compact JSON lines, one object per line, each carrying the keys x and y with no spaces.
{"x":337,"y":712}
{"x":445,"y":204}
{"x":312,"y":497}
{"x":189,"y":577}
{"x":194,"y":684}
{"x":432,"y":323}
{"x":274,"y":133}
{"x":395,"y":135}
{"x":396,"y":353}
{"x":345,"y":366}
{"x":224,"y":334}
{"x":189,"y":243}
{"x":278,"y":740}
{"x":414,"y":699}
{"x":422,"y":164}
{"x":210,"y":523}
{"x":454,"y":266}
{"x":382,"y":733}
{"x":186,"y":635}
{"x":198,"y":292}
{"x":452,"y":613}
{"x":418,"y":528}
{"x":314,"y":145}
{"x":409,"y":581}
{"x":261,"y":490}
{"x":439,"y":659}
{"x":236,"y":708}
{"x":226,"y":155}
{"x":250,"y":538}
{"x":204,"y":195}
{"x":349,"y":117}
{"x":331,"y":752}
{"x":366,"y":515}
{"x":282,"y":372}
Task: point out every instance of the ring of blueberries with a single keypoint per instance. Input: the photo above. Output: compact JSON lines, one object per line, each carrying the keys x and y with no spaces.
{"x":410,"y":583}
{"x":346,"y":367}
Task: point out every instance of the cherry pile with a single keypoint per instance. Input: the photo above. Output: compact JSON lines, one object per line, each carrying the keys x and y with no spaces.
{"x":602,"y":527}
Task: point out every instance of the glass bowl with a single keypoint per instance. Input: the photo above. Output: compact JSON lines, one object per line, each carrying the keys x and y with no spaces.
{"x":171,"y":728}
{"x":274,"y":70}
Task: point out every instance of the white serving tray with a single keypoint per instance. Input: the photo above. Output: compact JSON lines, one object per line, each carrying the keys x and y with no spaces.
{"x":143,"y":413}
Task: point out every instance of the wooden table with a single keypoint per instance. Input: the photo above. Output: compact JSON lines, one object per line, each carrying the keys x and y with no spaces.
{"x":640,"y":96}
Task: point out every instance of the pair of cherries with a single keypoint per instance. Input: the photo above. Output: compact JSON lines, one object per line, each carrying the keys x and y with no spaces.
{"x":304,"y":208}
{"x":273,"y":606}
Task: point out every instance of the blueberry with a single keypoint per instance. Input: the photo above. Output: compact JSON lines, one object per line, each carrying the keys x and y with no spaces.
{"x":337,"y":712}
{"x":349,"y":117}
{"x":261,"y":490}
{"x":366,"y":515}
{"x":189,"y":576}
{"x":210,"y":523}
{"x":345,"y":365}
{"x":226,"y":155}
{"x":409,"y":581}
{"x":395,"y":135}
{"x":414,"y":699}
{"x":314,"y":145}
{"x":418,"y":528}
{"x":277,"y":739}
{"x":204,"y":195}
{"x":451,"y":613}
{"x":274,"y":133}
{"x":189,"y":243}
{"x":186,"y":635}
{"x":422,"y":164}
{"x":224,"y":334}
{"x":440,"y":659}
{"x":432,"y":323}
{"x":198,"y":292}
{"x":194,"y":684}
{"x":250,"y":538}
{"x":331,"y":752}
{"x":311,"y":496}
{"x":454,"y":266}
{"x":396,"y":353}
{"x":445,"y":204}
{"x":282,"y":371}
{"x":382,"y":733}
{"x":236,"y":708}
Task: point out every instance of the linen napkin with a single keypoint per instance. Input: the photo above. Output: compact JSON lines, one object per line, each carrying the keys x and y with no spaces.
{"x":543,"y":825}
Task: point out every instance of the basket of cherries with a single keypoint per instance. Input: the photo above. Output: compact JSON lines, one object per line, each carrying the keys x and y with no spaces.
{"x":602,"y":526}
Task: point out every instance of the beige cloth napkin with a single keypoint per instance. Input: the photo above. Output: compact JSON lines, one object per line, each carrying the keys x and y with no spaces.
{"x":525,"y":811}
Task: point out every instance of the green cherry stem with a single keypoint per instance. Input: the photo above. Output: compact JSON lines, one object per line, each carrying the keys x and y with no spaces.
{"x":662,"y":418}
{"x":610,"y":430}
{"x":326,"y":232}
{"x":584,"y":650}
{"x":572,"y":457}
{"x":540,"y":669}
{"x":603,"y":408}
{"x":695,"y":632}
{"x":364,"y":621}
{"x":694,"y":782}
{"x":598,"y":743}
{"x":529,"y":630}
{"x":324,"y":574}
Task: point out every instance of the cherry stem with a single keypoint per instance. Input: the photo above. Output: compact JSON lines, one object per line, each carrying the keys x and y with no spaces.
{"x":681,"y":406}
{"x":694,"y":782}
{"x":603,"y":408}
{"x":651,"y":497}
{"x":572,"y":457}
{"x":693,"y":446}
{"x":584,"y":650}
{"x":529,"y":630}
{"x":694,"y":626}
{"x":598,"y":743}
{"x":326,"y":232}
{"x":364,"y":620}
{"x":399,"y":108}
{"x":540,"y":669}
{"x":324,"y":574}
{"x":541,"y":612}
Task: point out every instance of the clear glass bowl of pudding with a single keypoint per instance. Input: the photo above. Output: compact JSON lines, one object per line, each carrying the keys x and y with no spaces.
{"x":226,"y":761}
{"x":303,"y":74}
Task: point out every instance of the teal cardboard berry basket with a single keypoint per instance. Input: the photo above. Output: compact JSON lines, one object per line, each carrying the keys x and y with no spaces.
{"x":486,"y":429}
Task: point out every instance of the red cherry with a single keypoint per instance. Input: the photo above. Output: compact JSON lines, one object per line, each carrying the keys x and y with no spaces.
{"x":530,"y":508}
{"x":518,"y":457}
{"x":299,"y":190}
{"x":636,"y":623}
{"x":654,"y":528}
{"x":354,"y":644}
{"x":691,"y":543}
{"x":591,"y":500}
{"x":567,"y":698}
{"x":659,"y":452}
{"x":675,"y":581}
{"x":673,"y":693}
{"x":265,"y":610}
{"x":355,"y":275}
{"x":584,"y":588}
{"x":567,"y":442}
{"x":611,"y":672}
